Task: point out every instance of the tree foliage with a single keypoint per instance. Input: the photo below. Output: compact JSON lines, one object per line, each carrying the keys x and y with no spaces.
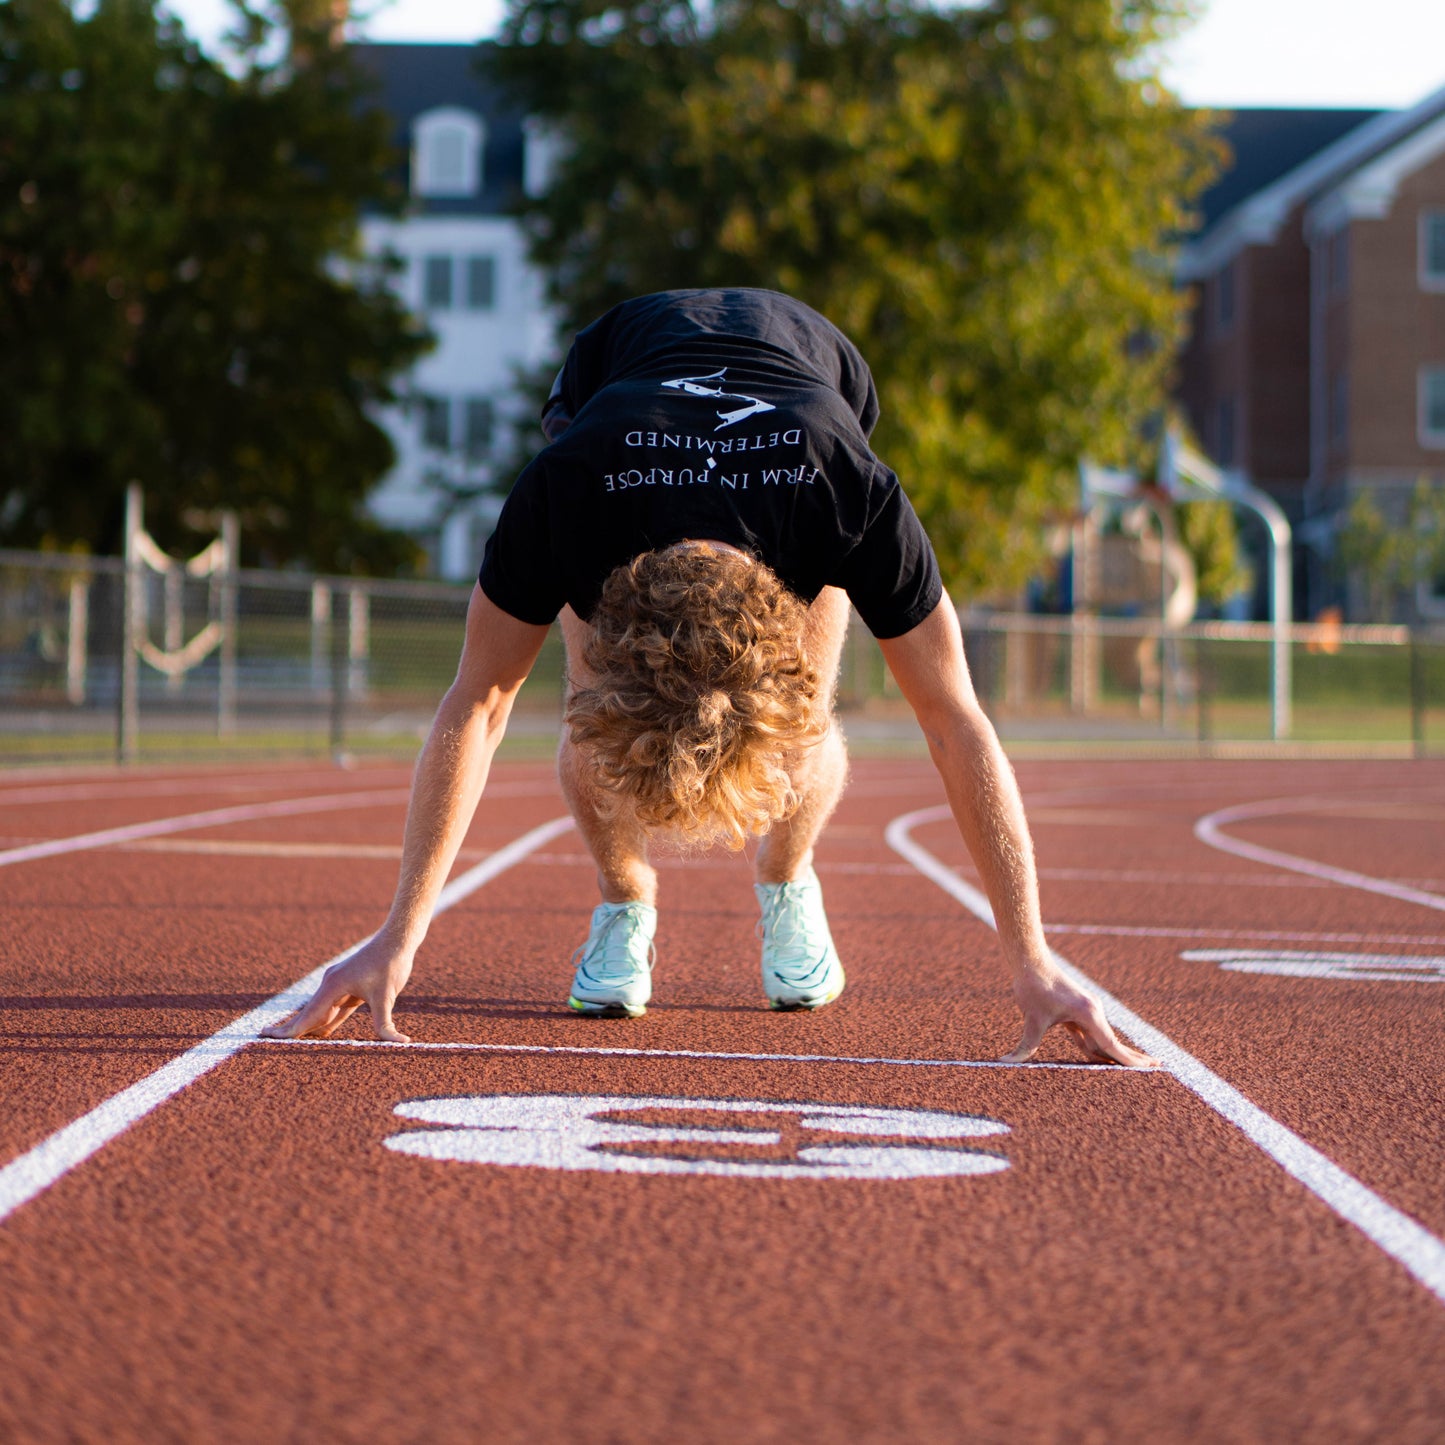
{"x":182,"y":298}
{"x":983,"y":197}
{"x":1208,"y":531}
{"x":1387,"y":558}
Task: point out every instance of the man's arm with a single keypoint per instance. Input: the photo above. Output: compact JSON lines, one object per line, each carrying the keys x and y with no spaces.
{"x":450,"y":774}
{"x":929,"y":666}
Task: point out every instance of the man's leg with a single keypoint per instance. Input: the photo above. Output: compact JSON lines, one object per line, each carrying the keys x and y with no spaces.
{"x":615,"y":839}
{"x":614,"y":965}
{"x":800,"y":966}
{"x":819,"y":774}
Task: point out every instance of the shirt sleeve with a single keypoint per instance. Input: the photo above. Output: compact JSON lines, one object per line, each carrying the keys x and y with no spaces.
{"x":519,"y":570}
{"x":891,"y":576}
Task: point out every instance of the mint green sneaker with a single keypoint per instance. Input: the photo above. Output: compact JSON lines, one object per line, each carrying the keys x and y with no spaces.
{"x":614,"y":966}
{"x":801,"y":968}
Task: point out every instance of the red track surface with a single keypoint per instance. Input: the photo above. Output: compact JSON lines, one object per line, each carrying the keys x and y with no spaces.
{"x":249,"y":1262}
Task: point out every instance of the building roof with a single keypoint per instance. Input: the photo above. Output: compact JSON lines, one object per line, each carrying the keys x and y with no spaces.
{"x":1255,"y":217}
{"x":414,"y":78}
{"x":1267,"y":144}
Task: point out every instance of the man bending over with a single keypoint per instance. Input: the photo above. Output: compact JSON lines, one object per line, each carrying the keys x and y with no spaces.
{"x":705,"y":511}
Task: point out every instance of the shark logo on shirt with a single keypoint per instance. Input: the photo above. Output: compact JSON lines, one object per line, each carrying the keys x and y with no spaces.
{"x":710,"y":386}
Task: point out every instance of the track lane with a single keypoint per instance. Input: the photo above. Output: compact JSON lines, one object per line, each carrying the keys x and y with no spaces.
{"x":1138,"y":1272}
{"x":116,"y":962}
{"x":1210,"y":830}
{"x":1404,"y":1239}
{"x":49,"y":1161}
{"x":1351,"y":1066}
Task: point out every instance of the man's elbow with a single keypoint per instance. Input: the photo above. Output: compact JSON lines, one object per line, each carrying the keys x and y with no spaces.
{"x":956,"y":726}
{"x":484,"y":709}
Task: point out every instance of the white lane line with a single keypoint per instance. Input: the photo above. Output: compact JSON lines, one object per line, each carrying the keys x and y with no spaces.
{"x":690,"y":1054}
{"x":1287,"y":963}
{"x":53,"y":1158}
{"x":239,"y":848}
{"x":1208,"y":831}
{"x":213,"y":818}
{"x":90,"y":792}
{"x":1188,"y":880}
{"x":1123,"y":930}
{"x":139,"y":788}
{"x":1402,"y":1238}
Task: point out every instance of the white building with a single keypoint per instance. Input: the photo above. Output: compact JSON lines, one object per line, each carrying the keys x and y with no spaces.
{"x":466,"y":272}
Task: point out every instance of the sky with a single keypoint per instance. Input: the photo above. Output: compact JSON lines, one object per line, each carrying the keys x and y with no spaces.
{"x":1369,"y":53}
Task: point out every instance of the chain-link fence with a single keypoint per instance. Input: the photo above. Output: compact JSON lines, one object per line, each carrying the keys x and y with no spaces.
{"x":1213,"y":685}
{"x":288,"y":664}
{"x":238,"y":662}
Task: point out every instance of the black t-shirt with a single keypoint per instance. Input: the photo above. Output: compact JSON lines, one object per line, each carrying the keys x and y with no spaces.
{"x":735,"y":416}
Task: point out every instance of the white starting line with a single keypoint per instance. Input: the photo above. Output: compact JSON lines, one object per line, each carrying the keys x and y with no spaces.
{"x":688,"y":1054}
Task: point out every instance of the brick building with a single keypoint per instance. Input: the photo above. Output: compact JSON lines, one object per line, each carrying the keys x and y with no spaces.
{"x":1316,"y":365}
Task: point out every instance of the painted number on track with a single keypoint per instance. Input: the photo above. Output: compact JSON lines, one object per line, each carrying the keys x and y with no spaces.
{"x":1387,"y":968}
{"x":735,"y":1138}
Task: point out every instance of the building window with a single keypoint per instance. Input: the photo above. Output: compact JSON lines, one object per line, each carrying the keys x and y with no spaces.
{"x":541,"y":154}
{"x":437,"y":283}
{"x":1432,"y":406}
{"x":481,"y":283}
{"x":1224,"y":298}
{"x":436,"y":423}
{"x":1432,"y":250}
{"x":1339,"y":408}
{"x":1225,"y":438}
{"x":480,"y":419}
{"x":446,"y":156}
{"x":1339,"y":254}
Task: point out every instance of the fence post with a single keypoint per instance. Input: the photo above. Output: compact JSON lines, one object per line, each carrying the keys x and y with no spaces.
{"x":230,"y":566}
{"x":358,"y":650}
{"x":173,"y":596}
{"x":1203,"y":691}
{"x":339,"y":668}
{"x":1418,"y":700}
{"x":320,"y":635}
{"x":127,"y":730}
{"x":77,"y":640}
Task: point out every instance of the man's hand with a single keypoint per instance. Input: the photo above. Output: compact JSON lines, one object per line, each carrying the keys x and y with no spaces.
{"x":1046,"y":998}
{"x":373,"y":976}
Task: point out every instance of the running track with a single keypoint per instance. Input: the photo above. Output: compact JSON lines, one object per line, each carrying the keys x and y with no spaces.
{"x":210,"y":1238}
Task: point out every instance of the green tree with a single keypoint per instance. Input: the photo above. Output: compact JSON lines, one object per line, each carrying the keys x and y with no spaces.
{"x":984,"y":197}
{"x":1207,"y":529}
{"x":183,"y":301}
{"x":1388,"y":559}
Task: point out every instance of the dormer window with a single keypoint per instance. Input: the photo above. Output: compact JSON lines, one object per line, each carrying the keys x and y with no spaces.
{"x":446,"y":156}
{"x":1432,"y":250}
{"x":541,"y":153}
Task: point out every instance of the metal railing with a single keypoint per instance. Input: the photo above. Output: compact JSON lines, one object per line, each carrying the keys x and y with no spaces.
{"x":341,"y":665}
{"x":1213,"y":684}
{"x":307,"y":664}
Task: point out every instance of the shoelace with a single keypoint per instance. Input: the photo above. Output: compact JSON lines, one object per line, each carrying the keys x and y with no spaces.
{"x":786,"y":904}
{"x":612,"y":954}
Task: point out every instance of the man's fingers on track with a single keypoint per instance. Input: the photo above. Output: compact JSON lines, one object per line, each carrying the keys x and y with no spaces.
{"x":1027,"y":1046}
{"x":1103,"y":1046}
{"x":324,"y":1012}
{"x":385,"y":1028}
{"x":343,"y":1009}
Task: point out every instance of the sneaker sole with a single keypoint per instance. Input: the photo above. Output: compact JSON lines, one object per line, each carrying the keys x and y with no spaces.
{"x":592,"y":1010}
{"x":790,"y":1006}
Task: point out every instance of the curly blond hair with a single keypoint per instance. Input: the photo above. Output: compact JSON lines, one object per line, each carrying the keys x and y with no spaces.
{"x":701,"y":692}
